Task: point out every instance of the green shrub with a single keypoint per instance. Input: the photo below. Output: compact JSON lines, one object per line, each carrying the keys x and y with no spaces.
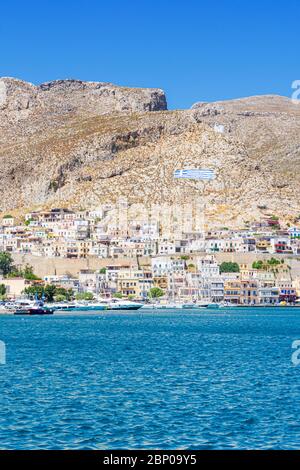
{"x":229,"y":267}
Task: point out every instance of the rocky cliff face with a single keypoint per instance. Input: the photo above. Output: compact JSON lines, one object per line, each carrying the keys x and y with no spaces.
{"x":21,"y":101}
{"x":73,"y":143}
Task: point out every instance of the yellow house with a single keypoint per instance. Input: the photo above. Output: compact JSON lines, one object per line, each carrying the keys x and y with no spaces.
{"x":262,"y":245}
{"x":83,"y":248}
{"x":134,"y":282}
{"x":246,"y":271}
{"x":232,"y":291}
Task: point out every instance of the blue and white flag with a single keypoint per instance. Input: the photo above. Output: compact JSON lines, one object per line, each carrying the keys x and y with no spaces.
{"x":195,"y":174}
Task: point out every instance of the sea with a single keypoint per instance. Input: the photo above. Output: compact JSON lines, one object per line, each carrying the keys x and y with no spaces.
{"x":177,"y":379}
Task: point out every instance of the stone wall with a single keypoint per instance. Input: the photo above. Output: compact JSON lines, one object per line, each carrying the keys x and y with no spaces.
{"x":59,"y":266}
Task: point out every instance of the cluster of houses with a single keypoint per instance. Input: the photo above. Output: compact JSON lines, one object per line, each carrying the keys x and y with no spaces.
{"x":185,"y":268}
{"x":80,"y":234}
{"x":181,"y":280}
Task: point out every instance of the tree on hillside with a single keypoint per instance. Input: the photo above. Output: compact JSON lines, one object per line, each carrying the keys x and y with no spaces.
{"x":258,"y":264}
{"x":267,"y":265}
{"x":229,"y":267}
{"x":274,"y":261}
{"x":28,"y":273}
{"x":6,"y":263}
{"x":28,"y":221}
{"x":2,"y":290}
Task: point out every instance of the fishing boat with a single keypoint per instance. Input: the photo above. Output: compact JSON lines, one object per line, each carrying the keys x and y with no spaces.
{"x":31,"y":307}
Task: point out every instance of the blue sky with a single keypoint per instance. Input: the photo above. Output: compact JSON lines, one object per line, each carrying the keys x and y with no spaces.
{"x":194,"y":50}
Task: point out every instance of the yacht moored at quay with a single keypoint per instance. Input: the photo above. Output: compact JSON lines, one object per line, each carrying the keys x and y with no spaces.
{"x":29,"y":307}
{"x":112,"y":304}
{"x":34,"y":307}
{"x":34,"y":311}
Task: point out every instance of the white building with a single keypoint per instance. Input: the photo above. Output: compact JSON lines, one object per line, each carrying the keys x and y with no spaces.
{"x":208,"y":267}
{"x":162,"y":265}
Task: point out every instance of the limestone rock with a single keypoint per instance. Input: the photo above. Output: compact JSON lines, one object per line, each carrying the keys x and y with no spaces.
{"x":78,"y":144}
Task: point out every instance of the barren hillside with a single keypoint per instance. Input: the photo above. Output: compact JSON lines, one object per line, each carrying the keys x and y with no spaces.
{"x":72,"y":143}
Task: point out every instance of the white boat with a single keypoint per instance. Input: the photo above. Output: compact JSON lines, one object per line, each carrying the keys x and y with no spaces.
{"x":116,"y":304}
{"x":202,"y":304}
{"x":113,"y":304}
{"x":160,"y":306}
{"x":19,"y":303}
{"x":78,"y":307}
{"x":170,"y":306}
{"x":187,"y":305}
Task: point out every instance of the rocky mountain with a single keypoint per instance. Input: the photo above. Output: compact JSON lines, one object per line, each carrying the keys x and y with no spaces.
{"x":78,"y":144}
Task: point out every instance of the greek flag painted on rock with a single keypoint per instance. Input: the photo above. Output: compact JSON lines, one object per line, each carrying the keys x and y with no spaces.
{"x":195,"y":174}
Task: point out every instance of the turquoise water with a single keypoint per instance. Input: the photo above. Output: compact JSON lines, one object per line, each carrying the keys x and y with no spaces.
{"x":207,"y":380}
